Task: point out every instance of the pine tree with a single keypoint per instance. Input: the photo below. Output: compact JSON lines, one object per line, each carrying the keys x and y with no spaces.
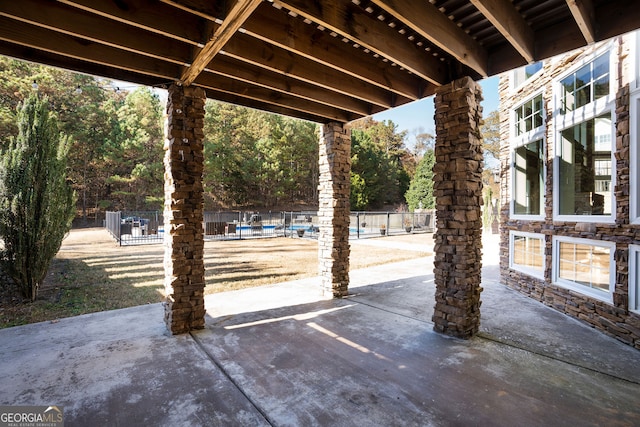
{"x":420,"y":194}
{"x":37,"y":203}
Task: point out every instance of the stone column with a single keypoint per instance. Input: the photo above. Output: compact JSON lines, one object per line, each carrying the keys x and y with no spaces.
{"x":458,"y":193}
{"x":183,"y":210}
{"x":334,"y":188}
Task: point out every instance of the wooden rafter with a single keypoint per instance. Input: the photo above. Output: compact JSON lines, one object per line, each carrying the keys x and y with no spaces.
{"x":239,"y":13}
{"x":510,"y":23}
{"x":583,"y":13}
{"x":147,"y":16}
{"x":372,"y":34}
{"x":321,"y":47}
{"x":441,"y":31}
{"x":321,"y":60}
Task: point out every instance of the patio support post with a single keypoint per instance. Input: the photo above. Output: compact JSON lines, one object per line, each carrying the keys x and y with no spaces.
{"x":458,"y":193}
{"x":183,"y":210}
{"x":333,"y":213}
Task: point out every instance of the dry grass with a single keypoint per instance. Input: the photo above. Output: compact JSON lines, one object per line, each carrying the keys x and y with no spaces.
{"x":91,"y":273}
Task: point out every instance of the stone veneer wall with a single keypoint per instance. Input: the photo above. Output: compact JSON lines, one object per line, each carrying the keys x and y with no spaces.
{"x":333,"y":214}
{"x":458,"y":193}
{"x":183,"y":210}
{"x":614,"y":320}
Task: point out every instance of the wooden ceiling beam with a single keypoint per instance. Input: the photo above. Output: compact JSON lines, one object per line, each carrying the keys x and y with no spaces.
{"x":324,"y":53}
{"x":79,"y":23}
{"x":503,"y":15}
{"x":270,"y":97}
{"x":245,"y":48}
{"x":239,"y":13}
{"x":584,"y":14}
{"x":150,"y":16}
{"x":360,"y":27}
{"x":319,"y":46}
{"x":214,"y":94}
{"x":252,"y":75}
{"x":425,"y":19}
{"x":73,"y":47}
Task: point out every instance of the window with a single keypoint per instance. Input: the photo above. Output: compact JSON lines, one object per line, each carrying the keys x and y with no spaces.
{"x":586,"y":266}
{"x":523,"y":74}
{"x":529,"y":115}
{"x":527,"y":253}
{"x":634,"y":164}
{"x":527,"y":169}
{"x":584,"y":170}
{"x":587,"y":84}
{"x":634,"y":278}
{"x":528,"y":180}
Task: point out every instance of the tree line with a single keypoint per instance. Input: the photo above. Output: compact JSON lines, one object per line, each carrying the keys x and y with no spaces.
{"x":253,"y":159}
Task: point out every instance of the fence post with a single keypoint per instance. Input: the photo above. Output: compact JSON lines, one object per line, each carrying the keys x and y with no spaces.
{"x":358,"y":225}
{"x":119,"y":228}
{"x":388,"y":224}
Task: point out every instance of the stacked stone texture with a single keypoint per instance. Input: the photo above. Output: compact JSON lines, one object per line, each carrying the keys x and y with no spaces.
{"x":334,"y":187}
{"x":613,"y":319}
{"x":458,"y":193}
{"x":183,"y":210}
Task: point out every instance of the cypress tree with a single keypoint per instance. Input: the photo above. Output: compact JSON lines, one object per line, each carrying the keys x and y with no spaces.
{"x":37,"y":203}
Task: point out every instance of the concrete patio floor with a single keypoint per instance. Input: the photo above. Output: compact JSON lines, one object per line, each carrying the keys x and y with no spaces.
{"x":285,"y":355}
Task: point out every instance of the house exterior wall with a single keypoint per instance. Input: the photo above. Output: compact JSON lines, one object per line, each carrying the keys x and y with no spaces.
{"x":559,"y":257}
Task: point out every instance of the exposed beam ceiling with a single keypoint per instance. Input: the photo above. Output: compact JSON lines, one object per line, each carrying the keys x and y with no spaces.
{"x":323,"y":60}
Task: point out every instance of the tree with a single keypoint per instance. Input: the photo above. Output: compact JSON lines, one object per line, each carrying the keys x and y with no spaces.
{"x":136,"y":154}
{"x":381,"y":165}
{"x":37,"y":203}
{"x":420,"y":193}
{"x":490,"y":131}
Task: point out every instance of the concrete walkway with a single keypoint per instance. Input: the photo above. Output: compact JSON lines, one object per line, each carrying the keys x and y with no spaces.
{"x":285,"y":355}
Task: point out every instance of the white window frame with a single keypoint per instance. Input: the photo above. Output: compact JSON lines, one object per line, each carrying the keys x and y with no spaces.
{"x":525,"y":138}
{"x":634,"y":284}
{"x":571,"y":285}
{"x":521,"y":268}
{"x":605,"y":104}
{"x":634,"y":158}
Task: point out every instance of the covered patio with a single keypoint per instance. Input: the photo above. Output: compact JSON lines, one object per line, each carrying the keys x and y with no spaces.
{"x":286,"y":355}
{"x":330,"y":62}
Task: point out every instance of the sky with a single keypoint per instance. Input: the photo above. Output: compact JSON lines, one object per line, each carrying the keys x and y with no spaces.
{"x":417,"y":117}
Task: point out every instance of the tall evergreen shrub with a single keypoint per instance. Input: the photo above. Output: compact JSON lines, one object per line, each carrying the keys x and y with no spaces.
{"x":37,"y":203}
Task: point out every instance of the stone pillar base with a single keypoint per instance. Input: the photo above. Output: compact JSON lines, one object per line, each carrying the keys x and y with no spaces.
{"x":183,"y":211}
{"x":458,"y":193}
{"x":334,"y":209}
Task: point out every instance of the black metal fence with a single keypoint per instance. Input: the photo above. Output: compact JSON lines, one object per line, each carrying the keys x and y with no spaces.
{"x":368,"y":224}
{"x":136,"y":228}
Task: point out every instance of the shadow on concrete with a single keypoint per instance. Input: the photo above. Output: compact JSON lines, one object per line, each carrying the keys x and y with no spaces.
{"x":287,"y":355}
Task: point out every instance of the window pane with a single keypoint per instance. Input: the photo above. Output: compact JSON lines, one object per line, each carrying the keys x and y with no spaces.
{"x":589,"y":83}
{"x":527,"y":252}
{"x":523,"y":74}
{"x":585,"y":265}
{"x":601,"y":66}
{"x":529,"y":115}
{"x":583,"y":96}
{"x":531,"y":69}
{"x":602,"y":87}
{"x":584,"y":151}
{"x":527,"y":179}
{"x":583,"y":76}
